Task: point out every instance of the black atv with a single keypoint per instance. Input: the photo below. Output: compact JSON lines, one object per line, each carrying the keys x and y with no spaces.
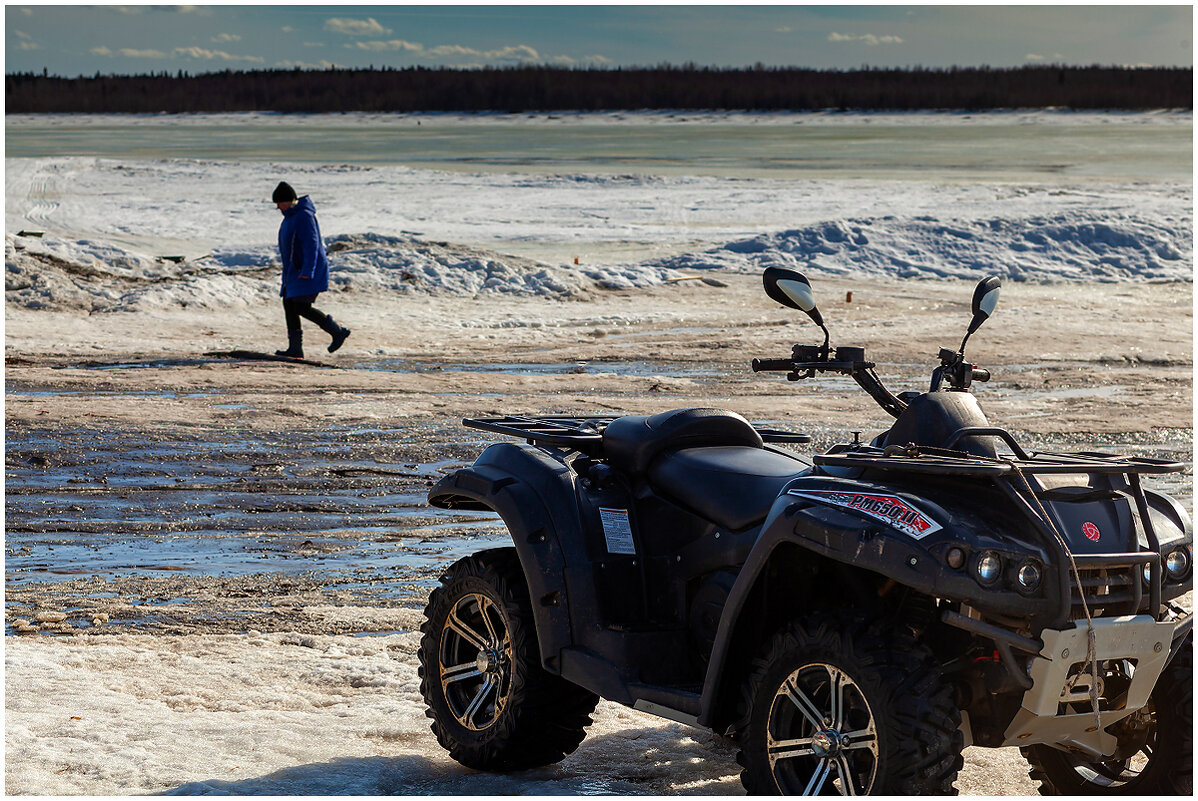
{"x":854,"y":622}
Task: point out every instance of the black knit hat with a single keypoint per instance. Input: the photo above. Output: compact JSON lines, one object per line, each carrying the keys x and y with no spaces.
{"x":283,"y":193}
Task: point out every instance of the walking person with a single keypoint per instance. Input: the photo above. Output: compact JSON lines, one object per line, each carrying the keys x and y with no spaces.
{"x":305,"y":270}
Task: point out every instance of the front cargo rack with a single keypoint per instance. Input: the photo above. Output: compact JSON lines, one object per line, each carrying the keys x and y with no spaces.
{"x":1119,"y":574}
{"x":584,"y":433}
{"x":947,"y":461}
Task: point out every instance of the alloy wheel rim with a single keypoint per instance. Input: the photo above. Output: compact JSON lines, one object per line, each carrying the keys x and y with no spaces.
{"x":475,"y":661}
{"x":821,"y":734}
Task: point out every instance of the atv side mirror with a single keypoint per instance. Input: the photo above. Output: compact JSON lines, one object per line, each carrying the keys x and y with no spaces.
{"x":985,"y":298}
{"x":791,"y":288}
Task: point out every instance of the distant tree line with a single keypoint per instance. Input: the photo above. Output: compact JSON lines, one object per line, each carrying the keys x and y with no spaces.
{"x":533,"y":88}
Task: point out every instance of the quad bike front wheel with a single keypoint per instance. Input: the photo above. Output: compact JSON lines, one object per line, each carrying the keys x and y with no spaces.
{"x":1156,"y":746}
{"x":841,"y":706}
{"x":492,"y":704}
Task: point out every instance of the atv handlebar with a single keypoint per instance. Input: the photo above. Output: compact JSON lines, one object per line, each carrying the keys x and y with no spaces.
{"x":807,"y":360}
{"x":773,"y":365}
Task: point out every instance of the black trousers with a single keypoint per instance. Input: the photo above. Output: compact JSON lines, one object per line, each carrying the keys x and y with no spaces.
{"x":297,"y":307}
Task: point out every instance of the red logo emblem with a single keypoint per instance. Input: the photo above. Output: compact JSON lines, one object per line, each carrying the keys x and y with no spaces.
{"x":1091,"y":531}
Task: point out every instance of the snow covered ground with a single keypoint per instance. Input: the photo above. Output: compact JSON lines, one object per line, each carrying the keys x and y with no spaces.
{"x":286,"y":714}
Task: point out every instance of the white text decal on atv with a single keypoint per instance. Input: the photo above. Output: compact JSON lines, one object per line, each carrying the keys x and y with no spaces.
{"x":891,"y":510}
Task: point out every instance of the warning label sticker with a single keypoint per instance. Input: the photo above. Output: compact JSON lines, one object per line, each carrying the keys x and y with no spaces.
{"x":889,"y":509}
{"x":617,"y":530}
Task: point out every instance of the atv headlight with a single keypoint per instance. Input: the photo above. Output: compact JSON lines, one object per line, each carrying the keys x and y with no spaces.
{"x":1029,"y":576}
{"x":988,"y":568}
{"x":1177,"y":563}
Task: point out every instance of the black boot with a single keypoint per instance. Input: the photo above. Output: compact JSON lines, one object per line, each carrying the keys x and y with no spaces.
{"x":295,"y":344}
{"x":337,"y":332}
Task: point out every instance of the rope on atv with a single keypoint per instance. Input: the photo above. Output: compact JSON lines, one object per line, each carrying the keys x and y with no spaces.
{"x":1091,"y":637}
{"x":912,"y":451}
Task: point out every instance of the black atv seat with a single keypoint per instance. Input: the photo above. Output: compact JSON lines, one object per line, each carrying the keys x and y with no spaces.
{"x":631,"y":443}
{"x":732,"y":486}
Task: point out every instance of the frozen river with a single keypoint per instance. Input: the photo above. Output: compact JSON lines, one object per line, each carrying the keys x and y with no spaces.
{"x":1007,"y":146}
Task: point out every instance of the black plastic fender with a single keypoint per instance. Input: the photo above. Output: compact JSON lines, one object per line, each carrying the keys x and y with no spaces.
{"x":846,"y":521}
{"x":534,"y":494}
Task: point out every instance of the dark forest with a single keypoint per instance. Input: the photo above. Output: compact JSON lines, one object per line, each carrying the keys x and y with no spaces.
{"x":525,"y":89}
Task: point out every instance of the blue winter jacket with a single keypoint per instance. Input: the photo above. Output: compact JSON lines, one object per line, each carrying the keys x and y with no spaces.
{"x":305,"y":265}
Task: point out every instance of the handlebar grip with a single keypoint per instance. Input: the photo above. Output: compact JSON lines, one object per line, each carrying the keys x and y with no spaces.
{"x":782,"y":365}
{"x":981,"y":374}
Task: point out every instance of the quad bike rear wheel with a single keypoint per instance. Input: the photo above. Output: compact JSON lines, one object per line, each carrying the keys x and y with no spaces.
{"x":492,"y":704}
{"x":1156,"y":746}
{"x":841,"y":705}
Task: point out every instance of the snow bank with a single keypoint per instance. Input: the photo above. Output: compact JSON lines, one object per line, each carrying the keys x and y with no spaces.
{"x":1066,"y":247}
{"x":54,"y":273}
{"x":111,"y":227}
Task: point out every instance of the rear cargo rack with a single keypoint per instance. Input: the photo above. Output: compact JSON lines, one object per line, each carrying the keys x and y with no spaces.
{"x":583,"y":433}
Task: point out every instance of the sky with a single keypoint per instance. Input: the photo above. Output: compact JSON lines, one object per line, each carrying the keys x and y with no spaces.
{"x":134,"y":39}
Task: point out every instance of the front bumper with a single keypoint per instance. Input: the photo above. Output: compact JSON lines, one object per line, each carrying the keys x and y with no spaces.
{"x":1044,"y":717}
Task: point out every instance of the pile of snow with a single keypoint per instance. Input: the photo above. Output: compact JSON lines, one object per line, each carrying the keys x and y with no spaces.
{"x":405,"y":265}
{"x":54,"y":273}
{"x":1066,"y":247}
{"x":50,"y":272}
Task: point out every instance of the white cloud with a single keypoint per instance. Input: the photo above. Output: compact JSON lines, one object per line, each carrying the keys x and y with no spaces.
{"x":355,"y":27}
{"x":287,"y":29}
{"x":442,"y":51}
{"x":201,"y":10}
{"x":393,"y":44}
{"x":868,"y":38}
{"x":129,"y":52}
{"x":509,"y":53}
{"x":27,"y":45}
{"x":221,"y":38}
{"x":101,"y":51}
{"x":783,"y":29}
{"x":517,"y":53}
{"x":27,"y":12}
{"x":568,"y":61}
{"x":22,"y":34}
{"x":213,"y":55}
{"x":315,"y":44}
{"x":1034,"y":57}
